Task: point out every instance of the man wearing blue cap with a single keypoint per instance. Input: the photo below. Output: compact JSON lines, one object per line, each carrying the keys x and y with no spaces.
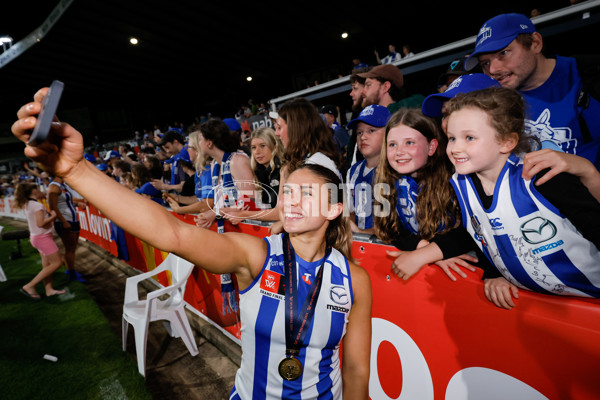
{"x":370,"y":131}
{"x":561,"y":105}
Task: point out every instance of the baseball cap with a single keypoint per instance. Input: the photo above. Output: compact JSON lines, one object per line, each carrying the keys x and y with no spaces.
{"x":497,"y":33}
{"x":112,"y":154}
{"x":329,"y":109}
{"x":455,"y":68}
{"x":432,"y":105}
{"x":233,"y":124}
{"x":102,"y":167}
{"x":387,"y":72}
{"x":374,"y":115}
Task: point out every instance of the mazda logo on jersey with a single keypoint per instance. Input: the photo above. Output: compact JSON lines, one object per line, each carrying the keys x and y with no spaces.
{"x":538,"y":230}
{"x":338,"y":295}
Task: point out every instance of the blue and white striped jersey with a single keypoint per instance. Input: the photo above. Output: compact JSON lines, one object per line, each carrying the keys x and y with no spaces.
{"x":262,"y":311}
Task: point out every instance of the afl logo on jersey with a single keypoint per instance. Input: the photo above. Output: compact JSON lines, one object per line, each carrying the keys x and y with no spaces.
{"x":338,"y":295}
{"x":538,"y":230}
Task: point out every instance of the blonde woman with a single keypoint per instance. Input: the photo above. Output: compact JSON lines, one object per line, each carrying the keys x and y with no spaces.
{"x":267,"y":153}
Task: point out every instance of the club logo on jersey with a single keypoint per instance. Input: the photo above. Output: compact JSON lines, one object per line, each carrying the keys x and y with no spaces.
{"x":270,"y":284}
{"x":538,"y":230}
{"x":496,"y":224}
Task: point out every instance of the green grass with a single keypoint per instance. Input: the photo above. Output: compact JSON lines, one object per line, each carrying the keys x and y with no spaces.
{"x":91,"y":363}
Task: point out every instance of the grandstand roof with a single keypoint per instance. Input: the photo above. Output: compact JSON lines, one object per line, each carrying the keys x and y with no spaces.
{"x":198,"y":53}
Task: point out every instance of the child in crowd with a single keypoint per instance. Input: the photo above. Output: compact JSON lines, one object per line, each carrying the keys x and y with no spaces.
{"x":536,"y":237}
{"x":41,"y":232}
{"x":415,"y":174}
{"x":279,"y":359}
{"x":370,"y":130}
{"x":267,"y":152}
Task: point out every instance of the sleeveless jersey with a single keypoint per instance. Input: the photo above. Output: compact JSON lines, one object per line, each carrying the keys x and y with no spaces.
{"x":224,"y":190}
{"x":360,"y":194}
{"x":407,"y":190}
{"x":65,"y":203}
{"x":553,"y":112}
{"x":262,"y":312}
{"x":527,"y":239}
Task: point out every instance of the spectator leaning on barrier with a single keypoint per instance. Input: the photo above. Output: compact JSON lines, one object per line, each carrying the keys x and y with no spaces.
{"x":174,"y":145}
{"x":370,"y":130}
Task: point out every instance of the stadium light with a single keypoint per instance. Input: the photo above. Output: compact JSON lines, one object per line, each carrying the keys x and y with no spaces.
{"x":6,"y":42}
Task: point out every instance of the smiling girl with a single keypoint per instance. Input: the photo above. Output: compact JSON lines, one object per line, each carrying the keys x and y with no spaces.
{"x":544,"y":237}
{"x":414,"y":176}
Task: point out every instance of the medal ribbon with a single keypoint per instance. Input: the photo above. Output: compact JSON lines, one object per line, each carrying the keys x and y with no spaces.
{"x":297,"y":323}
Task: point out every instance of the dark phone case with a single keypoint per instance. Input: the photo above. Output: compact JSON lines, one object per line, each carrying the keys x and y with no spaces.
{"x":44,"y":119}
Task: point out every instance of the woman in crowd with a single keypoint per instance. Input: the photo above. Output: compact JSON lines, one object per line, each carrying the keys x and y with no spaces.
{"x":231,"y":174}
{"x":140,"y":175}
{"x":266,"y":149}
{"x":280,"y":360}
{"x":154,"y":166}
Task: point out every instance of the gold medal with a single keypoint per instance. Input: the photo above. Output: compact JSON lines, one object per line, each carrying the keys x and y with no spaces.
{"x":290,"y":368}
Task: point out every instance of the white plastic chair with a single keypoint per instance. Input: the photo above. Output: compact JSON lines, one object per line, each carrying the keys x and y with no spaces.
{"x":139,"y":313}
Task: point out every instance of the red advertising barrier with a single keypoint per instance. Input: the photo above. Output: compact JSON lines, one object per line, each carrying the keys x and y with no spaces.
{"x":434,"y":338}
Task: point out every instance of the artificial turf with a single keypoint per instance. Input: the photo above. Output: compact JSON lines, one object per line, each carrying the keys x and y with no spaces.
{"x":91,"y":363}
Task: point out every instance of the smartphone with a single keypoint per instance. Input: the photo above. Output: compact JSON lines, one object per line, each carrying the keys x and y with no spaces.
{"x":46,"y":116}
